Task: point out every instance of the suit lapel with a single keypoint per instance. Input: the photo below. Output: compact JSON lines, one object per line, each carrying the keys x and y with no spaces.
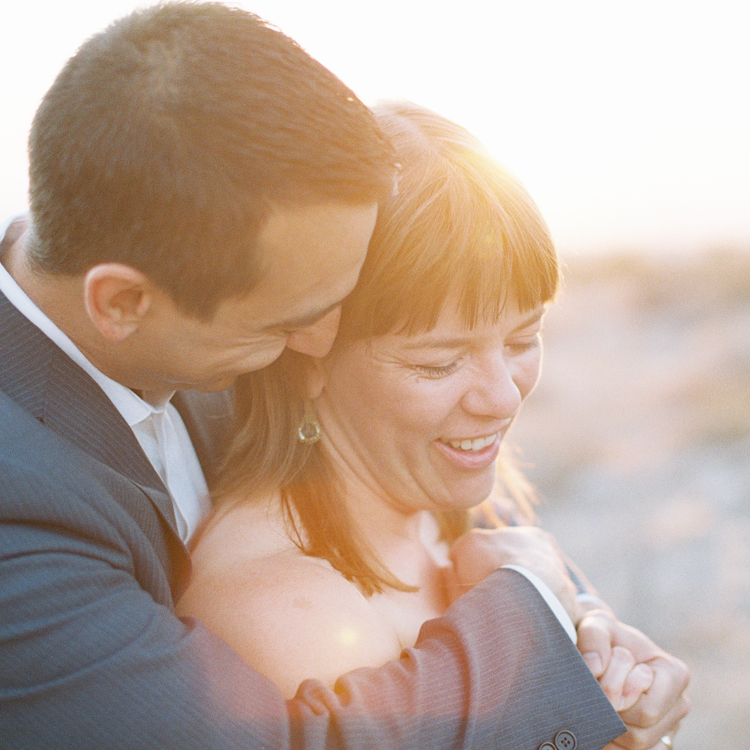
{"x":208,"y":419}
{"x":42,"y":379}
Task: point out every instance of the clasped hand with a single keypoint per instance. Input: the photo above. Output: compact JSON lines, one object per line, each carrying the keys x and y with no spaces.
{"x":650,"y":710}
{"x":645,"y":684}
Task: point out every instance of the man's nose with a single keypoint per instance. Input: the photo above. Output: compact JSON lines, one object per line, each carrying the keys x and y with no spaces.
{"x":316,"y":340}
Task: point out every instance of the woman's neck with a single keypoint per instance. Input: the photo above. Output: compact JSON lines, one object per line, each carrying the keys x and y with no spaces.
{"x":418,"y":562}
{"x":406,"y":542}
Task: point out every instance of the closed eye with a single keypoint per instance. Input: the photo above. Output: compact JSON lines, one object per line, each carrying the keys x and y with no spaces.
{"x":436,"y":371}
{"x":524,"y":345}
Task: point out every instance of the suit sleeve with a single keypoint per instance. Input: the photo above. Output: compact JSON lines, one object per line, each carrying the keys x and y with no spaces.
{"x":90,"y":659}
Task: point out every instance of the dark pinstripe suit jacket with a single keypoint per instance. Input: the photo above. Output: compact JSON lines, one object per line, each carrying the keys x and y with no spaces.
{"x":92,"y":656}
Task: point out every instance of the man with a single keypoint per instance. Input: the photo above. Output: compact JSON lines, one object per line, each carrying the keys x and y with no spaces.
{"x":202,"y":194}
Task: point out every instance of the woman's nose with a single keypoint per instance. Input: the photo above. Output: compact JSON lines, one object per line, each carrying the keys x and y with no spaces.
{"x":495,"y":392}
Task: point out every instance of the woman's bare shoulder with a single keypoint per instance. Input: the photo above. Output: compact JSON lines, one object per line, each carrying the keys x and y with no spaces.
{"x":289,"y":615}
{"x":241,"y":531}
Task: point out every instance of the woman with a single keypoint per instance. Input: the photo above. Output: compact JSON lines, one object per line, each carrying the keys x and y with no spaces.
{"x":350,"y":476}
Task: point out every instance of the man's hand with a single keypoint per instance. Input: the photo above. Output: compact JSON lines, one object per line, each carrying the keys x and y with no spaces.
{"x":479,"y":552}
{"x":645,"y":684}
{"x":659,"y":709}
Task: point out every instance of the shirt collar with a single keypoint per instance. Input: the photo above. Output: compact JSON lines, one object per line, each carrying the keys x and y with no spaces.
{"x":131,"y":406}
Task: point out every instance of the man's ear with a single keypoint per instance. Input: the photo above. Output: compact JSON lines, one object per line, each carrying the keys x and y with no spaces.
{"x":117,"y":299}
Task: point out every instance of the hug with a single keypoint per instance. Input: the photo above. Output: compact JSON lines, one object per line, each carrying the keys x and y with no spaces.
{"x":209,"y":207}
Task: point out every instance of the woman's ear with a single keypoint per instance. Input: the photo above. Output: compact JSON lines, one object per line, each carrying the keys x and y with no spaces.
{"x":117,"y":299}
{"x":316,"y":378}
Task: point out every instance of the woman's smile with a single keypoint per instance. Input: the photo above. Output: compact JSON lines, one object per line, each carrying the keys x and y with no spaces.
{"x":471,"y":444}
{"x":468,"y":454}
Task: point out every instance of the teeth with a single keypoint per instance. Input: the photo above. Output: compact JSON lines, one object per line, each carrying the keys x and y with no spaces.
{"x":472,"y":445}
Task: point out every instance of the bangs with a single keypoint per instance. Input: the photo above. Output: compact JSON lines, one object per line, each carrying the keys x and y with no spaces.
{"x":461,"y":229}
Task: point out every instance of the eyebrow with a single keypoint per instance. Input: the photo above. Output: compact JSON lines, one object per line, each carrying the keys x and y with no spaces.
{"x":456,"y":342}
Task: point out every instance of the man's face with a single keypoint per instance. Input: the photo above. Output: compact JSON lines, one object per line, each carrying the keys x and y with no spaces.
{"x":312,"y":256}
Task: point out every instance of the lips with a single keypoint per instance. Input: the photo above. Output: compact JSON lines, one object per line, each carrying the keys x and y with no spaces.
{"x":472,"y":444}
{"x":479,"y":453}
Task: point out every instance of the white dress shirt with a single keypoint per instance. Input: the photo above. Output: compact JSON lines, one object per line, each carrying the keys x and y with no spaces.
{"x":158,"y":427}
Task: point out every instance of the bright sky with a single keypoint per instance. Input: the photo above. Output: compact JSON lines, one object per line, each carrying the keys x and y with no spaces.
{"x":628,"y":121}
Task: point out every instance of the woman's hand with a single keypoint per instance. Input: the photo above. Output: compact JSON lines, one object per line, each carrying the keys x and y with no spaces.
{"x":479,"y":552}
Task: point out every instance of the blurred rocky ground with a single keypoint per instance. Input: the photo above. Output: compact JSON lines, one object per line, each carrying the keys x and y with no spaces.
{"x":638,"y":440}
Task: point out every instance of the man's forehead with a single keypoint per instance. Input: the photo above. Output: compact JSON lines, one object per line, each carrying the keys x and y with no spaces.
{"x":310,"y":257}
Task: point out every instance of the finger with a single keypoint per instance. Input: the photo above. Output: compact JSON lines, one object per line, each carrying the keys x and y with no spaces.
{"x":638,"y":681}
{"x":613,"y":680}
{"x":617,"y":746}
{"x":625,"y":743}
{"x":671,"y":678}
{"x":595,"y":642}
{"x":637,"y":738}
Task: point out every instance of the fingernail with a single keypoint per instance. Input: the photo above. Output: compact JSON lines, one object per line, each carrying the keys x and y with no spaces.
{"x":594,"y":661}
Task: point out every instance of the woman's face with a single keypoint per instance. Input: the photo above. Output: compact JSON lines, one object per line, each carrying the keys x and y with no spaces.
{"x":420,"y":418}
